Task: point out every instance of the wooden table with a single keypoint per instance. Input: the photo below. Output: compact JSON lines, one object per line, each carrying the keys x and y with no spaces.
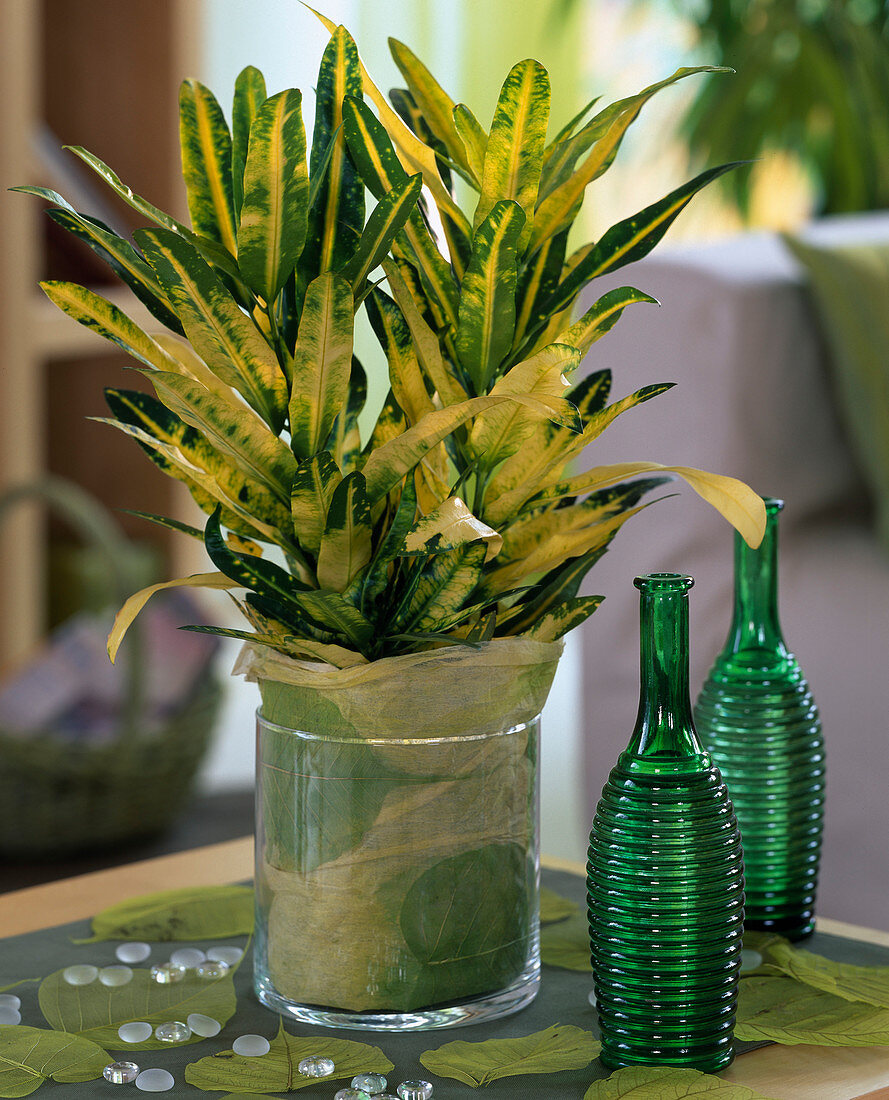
{"x":784,"y":1073}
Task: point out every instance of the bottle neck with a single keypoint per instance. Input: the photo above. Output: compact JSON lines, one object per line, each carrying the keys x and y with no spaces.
{"x":664,"y":725}
{"x":755,"y":623}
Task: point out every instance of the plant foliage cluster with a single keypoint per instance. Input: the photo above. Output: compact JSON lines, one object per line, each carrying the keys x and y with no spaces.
{"x":459,"y":519}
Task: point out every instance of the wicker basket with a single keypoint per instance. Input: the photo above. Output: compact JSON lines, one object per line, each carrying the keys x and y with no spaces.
{"x":59,"y":798}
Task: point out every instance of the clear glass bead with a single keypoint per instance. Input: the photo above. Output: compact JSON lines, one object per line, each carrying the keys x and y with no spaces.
{"x":134,"y":952}
{"x":415,"y":1090}
{"x":351,"y":1094}
{"x":136,"y":1032}
{"x":374,"y":1083}
{"x":9,"y":1000}
{"x":211,"y":970}
{"x":230,"y":955}
{"x":155,"y":1080}
{"x":251,"y":1046}
{"x":187,"y":957}
{"x":10,"y":1015}
{"x":167,"y":973}
{"x":173,"y":1031}
{"x":316,"y":1065}
{"x":202,"y":1025}
{"x":121,"y":1073}
{"x":115,"y":975}
{"x":80,"y":974}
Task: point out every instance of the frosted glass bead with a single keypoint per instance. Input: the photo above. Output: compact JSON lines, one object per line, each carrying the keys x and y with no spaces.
{"x":132,"y":952}
{"x":210,"y":970}
{"x":173,"y":1031}
{"x":414,"y":1090}
{"x":9,"y":1000}
{"x":351,"y":1094}
{"x":374,"y":1083}
{"x":750,"y":959}
{"x":251,"y":1046}
{"x":187,"y":957}
{"x":385,"y":1096}
{"x":136,"y":1032}
{"x":230,"y":955}
{"x":167,"y":973}
{"x":121,"y":1073}
{"x":202,"y":1025}
{"x":115,"y":975}
{"x":155,"y":1080}
{"x":592,"y":997}
{"x":316,"y":1066}
{"x":80,"y":975}
{"x":9,"y":1015}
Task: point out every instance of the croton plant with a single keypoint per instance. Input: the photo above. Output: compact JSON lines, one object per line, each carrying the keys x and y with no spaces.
{"x":463,"y":516}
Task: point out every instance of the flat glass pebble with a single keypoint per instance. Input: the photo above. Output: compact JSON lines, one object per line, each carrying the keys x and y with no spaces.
{"x":115,"y":975}
{"x":750,"y":959}
{"x":136,"y":1032}
{"x":592,"y":998}
{"x":414,"y":1090}
{"x":202,"y":1025}
{"x":121,"y":1073}
{"x":251,"y":1046}
{"x":9,"y":1015}
{"x":374,"y":1083}
{"x":155,"y":1080}
{"x":211,"y":970}
{"x":230,"y":955}
{"x":9,"y":1000}
{"x":173,"y":1031}
{"x":187,"y":957}
{"x":351,"y":1094}
{"x":167,"y":973}
{"x":133,"y":952}
{"x":316,"y":1065}
{"x":80,"y":975}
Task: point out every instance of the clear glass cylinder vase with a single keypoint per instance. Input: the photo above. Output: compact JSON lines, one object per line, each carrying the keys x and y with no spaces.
{"x":397,"y":880}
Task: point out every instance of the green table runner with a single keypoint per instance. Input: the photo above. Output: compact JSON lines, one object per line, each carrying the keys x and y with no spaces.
{"x":563,"y":998}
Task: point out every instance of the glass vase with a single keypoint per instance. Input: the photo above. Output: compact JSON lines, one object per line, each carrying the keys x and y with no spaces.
{"x":665,"y":881}
{"x":757,"y":717}
{"x":397,"y":880}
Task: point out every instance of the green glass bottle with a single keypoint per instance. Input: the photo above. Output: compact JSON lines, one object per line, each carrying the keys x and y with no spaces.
{"x":757,"y":717}
{"x":665,"y":878}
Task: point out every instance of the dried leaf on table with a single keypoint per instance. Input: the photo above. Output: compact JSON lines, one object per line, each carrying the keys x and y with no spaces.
{"x":648,"y":1083}
{"x":554,"y":907}
{"x":786,"y":1011}
{"x":567,"y":944}
{"x":852,"y":983}
{"x":29,"y":1056}
{"x":191,"y":913}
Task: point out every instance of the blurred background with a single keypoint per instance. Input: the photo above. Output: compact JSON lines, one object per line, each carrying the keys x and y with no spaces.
{"x":808,"y":107}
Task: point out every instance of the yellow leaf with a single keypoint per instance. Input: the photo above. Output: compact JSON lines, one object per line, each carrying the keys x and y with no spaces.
{"x":452,"y":524}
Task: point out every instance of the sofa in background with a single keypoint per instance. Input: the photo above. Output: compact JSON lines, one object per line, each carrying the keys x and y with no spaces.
{"x":738,"y":330}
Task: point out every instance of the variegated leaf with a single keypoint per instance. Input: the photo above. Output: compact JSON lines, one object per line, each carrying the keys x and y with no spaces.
{"x":560,"y":584}
{"x":339,"y":616}
{"x":391,"y":423}
{"x":95,"y":312}
{"x":221,"y":333}
{"x":602,"y":316}
{"x":346,"y":545}
{"x":250,"y":94}
{"x":376,"y":578}
{"x":514,"y":153}
{"x":185,"y":360}
{"x":447,"y":580}
{"x":538,"y":277}
{"x":322,"y":363}
{"x":487,"y":298}
{"x":274,"y":214}
{"x":207,"y":164}
{"x":313,"y":487}
{"x":405,"y":375}
{"x":452,"y":524}
{"x":386,"y":221}
{"x":344,"y":441}
{"x":433,"y":102}
{"x":250,"y":572}
{"x":138,"y":600}
{"x":474,"y":138}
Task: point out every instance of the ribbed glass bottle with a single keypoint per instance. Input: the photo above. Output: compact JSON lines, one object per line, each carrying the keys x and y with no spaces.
{"x":665,"y":881}
{"x":757,"y":717}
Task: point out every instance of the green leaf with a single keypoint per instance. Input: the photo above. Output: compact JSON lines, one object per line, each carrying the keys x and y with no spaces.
{"x":221,"y":333}
{"x":487,"y":298}
{"x":648,"y":1083}
{"x":207,"y":164}
{"x":563,"y":617}
{"x":346,"y":545}
{"x":250,"y":94}
{"x":97,"y":1011}
{"x":785,"y":1011}
{"x":556,"y":1048}
{"x":514,"y":153}
{"x":433,"y":102}
{"x":852,"y":983}
{"x":314,"y":483}
{"x":405,"y":376}
{"x":334,"y":612}
{"x":447,"y":580}
{"x":189,"y":913}
{"x":274,"y":214}
{"x":277,"y":1071}
{"x":322,"y":363}
{"x":567,"y":944}
{"x":377,"y":576}
{"x":29,"y":1056}
{"x":554,"y":907}
{"x":474,"y":138}
{"x":249,"y":571}
{"x":384,"y":224}
{"x":602,"y":316}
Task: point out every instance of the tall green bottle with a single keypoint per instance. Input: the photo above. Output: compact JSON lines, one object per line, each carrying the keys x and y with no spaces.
{"x":757,"y":717}
{"x":665,"y":879}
